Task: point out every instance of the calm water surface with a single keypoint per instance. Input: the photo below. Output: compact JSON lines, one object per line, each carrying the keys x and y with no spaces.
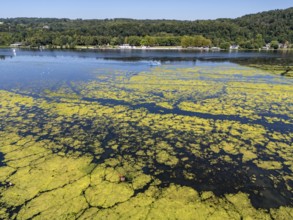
{"x":20,"y":66}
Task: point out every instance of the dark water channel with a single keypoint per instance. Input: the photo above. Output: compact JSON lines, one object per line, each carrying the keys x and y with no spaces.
{"x":1,"y":159}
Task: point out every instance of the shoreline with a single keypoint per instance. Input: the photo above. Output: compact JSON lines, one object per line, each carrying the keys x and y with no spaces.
{"x":170,"y":48}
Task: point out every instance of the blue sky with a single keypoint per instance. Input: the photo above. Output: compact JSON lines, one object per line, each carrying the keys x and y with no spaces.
{"x":146,"y":9}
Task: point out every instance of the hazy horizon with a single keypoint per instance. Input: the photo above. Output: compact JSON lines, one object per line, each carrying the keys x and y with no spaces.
{"x":130,"y":9}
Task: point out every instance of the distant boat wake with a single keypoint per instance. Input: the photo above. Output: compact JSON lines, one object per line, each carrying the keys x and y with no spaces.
{"x":155,"y":63}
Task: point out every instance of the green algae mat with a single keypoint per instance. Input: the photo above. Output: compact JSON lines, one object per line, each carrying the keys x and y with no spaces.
{"x":170,"y":142}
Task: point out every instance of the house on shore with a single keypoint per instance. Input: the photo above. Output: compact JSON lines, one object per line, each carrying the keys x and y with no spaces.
{"x":215,"y":49}
{"x":283,"y":46}
{"x":17,"y":44}
{"x":266,"y":47}
{"x":234,"y":47}
{"x":125,"y":46}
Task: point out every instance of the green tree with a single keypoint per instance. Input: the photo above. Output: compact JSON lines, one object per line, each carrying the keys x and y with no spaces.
{"x":187,"y":41}
{"x":5,"y":39}
{"x":206,"y":42}
{"x":133,"y":40}
{"x":259,"y":41}
{"x":274,"y":44}
{"x":148,"y":41}
{"x":116,"y":41}
{"x":225,"y":45}
{"x":247,"y":30}
{"x":198,"y":41}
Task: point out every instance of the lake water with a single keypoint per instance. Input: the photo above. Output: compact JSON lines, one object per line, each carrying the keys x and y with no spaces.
{"x":99,"y":131}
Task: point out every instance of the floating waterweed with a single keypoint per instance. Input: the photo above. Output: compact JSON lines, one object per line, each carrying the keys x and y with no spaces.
{"x":200,"y":142}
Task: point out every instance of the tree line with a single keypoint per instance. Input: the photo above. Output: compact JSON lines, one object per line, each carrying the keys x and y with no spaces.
{"x":250,"y":31}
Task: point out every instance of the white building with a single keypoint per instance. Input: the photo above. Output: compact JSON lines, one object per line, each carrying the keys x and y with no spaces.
{"x":215,"y":49}
{"x":234,"y":47}
{"x":266,"y":47}
{"x":125,"y":46}
{"x":17,"y":44}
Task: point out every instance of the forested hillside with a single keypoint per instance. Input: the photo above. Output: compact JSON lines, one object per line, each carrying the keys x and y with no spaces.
{"x":250,"y":31}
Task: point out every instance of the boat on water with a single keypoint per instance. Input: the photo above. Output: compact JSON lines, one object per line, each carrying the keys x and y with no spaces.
{"x":14,"y":51}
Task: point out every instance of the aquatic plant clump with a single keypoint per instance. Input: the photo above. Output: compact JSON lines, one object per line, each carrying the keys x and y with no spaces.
{"x":175,"y":143}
